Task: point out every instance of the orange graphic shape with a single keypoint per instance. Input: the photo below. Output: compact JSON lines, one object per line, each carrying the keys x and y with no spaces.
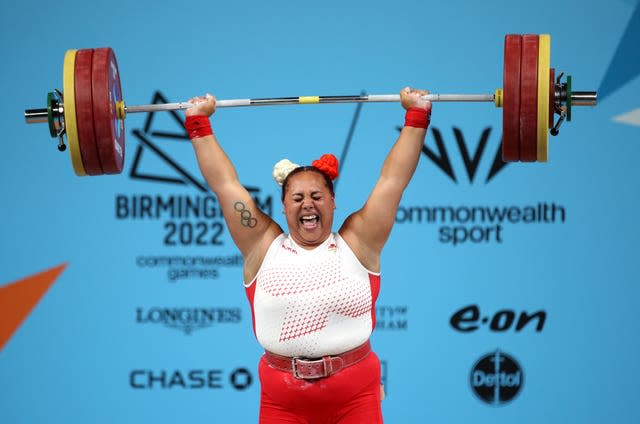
{"x":17,"y":299}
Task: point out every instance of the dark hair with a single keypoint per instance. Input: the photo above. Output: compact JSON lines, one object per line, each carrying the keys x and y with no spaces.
{"x":300,"y":169}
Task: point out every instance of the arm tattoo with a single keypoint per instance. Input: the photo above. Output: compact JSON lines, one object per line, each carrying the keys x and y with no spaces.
{"x":246,"y":219}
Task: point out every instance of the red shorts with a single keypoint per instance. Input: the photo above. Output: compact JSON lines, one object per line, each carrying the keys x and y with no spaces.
{"x":348,"y":397}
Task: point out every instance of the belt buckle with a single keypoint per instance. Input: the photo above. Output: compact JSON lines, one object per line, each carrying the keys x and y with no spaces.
{"x":294,"y":369}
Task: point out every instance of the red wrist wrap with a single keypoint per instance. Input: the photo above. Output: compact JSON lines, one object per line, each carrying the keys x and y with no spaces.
{"x":416,"y":117}
{"x":198,"y":126}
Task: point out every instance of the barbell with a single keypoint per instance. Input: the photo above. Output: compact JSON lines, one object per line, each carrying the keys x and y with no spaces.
{"x":90,"y":110}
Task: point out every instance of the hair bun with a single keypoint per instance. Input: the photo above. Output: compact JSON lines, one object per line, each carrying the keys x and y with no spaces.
{"x":328,"y":164}
{"x":282,"y":169}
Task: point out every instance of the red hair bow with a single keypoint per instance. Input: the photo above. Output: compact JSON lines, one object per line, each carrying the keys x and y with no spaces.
{"x":328,"y":164}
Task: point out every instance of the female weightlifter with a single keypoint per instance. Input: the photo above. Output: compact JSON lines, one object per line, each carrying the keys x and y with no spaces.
{"x":313,"y":291}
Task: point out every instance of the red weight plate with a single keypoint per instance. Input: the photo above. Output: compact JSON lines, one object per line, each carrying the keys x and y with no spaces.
{"x":84,"y":113}
{"x":511,"y":98}
{"x":106,"y":92}
{"x":552,"y":95}
{"x":529,"y":99}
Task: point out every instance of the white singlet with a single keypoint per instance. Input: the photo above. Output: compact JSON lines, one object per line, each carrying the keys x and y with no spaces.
{"x":312,"y":303}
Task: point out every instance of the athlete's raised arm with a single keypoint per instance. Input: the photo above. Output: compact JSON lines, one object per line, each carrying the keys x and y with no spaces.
{"x":367,"y":230}
{"x":251,"y":229}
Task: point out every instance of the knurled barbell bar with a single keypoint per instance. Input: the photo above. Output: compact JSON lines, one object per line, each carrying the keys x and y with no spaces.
{"x":90,"y":110}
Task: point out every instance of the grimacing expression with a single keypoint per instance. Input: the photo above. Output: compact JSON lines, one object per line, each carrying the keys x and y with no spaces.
{"x":308,"y":207}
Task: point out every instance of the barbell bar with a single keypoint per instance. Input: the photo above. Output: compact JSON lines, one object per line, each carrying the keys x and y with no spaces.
{"x":35,"y":116}
{"x":90,"y":110}
{"x":370,"y":98}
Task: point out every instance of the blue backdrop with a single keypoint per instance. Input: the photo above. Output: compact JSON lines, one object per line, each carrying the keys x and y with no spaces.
{"x":148,"y":322}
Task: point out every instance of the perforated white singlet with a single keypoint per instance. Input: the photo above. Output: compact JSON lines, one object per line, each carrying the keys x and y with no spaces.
{"x":312,"y":303}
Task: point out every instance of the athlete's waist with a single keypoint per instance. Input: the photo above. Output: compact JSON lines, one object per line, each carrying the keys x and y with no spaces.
{"x":313,"y":368}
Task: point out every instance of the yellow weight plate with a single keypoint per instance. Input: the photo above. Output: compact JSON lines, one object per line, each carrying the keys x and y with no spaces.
{"x":70,"y":123}
{"x":544,"y":59}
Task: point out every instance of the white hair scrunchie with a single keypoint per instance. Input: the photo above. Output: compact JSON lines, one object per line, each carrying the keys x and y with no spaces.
{"x":282,"y":169}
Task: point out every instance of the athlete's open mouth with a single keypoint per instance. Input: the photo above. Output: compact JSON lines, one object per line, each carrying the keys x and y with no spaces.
{"x":309,"y":221}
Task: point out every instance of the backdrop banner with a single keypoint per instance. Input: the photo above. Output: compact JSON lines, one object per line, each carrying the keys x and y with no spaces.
{"x":504,"y":286}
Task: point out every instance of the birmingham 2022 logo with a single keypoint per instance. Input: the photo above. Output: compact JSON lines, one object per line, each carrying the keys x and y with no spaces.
{"x":190,"y":220}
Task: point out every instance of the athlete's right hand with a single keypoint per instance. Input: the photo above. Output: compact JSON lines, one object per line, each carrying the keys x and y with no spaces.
{"x":202,"y":105}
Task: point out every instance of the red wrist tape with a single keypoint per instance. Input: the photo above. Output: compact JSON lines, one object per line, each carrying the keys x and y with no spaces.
{"x":198,"y":126}
{"x":416,"y":117}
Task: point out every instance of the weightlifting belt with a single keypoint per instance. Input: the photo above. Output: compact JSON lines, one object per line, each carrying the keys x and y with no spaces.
{"x":309,"y":369}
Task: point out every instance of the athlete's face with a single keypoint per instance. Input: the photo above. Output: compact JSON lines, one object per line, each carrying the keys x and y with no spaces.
{"x":308,"y":206}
